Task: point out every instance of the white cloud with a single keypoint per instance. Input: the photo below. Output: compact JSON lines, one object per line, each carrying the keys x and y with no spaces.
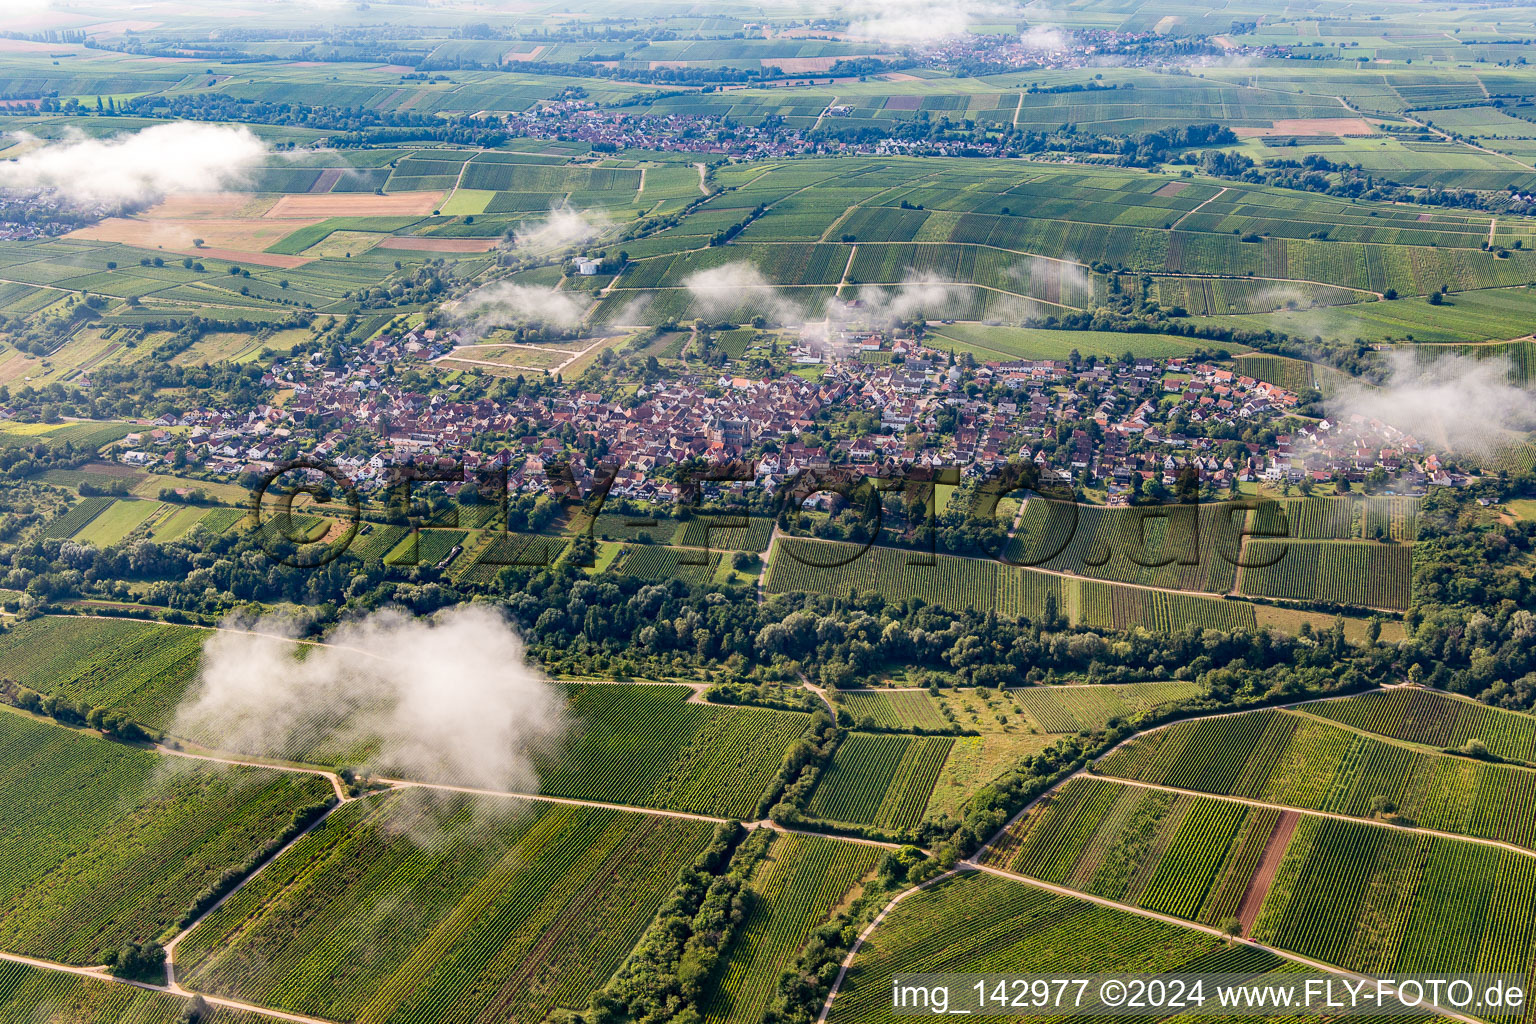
{"x":917,"y":22}
{"x":1471,"y":400}
{"x":505,"y":303}
{"x":447,"y":700}
{"x":142,"y":167}
{"x":728,"y":287}
{"x":1044,"y":37}
{"x":564,"y":228}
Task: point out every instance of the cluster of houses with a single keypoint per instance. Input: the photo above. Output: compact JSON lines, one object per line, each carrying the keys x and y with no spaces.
{"x":622,"y":128}
{"x":1119,"y":425}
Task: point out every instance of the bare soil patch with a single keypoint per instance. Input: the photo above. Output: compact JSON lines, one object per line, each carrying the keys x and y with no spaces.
{"x":260,"y":259}
{"x":421,"y":244}
{"x":327,"y":180}
{"x":1173,"y":188}
{"x":1258,"y":885}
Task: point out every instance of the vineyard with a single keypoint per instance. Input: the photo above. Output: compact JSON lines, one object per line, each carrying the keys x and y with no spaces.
{"x":71,"y":999}
{"x":102,"y":844}
{"x":1434,"y":718}
{"x":1292,"y":759}
{"x":977,"y":922}
{"x":1187,"y":856}
{"x":1108,"y":606}
{"x":838,"y":569}
{"x":1382,"y":518}
{"x":1295,"y":375}
{"x":494,"y":551}
{"x":880,"y":780}
{"x":795,"y":889}
{"x":899,"y":709}
{"x":1386,"y":901}
{"x":719,"y":532}
{"x":512,"y":908}
{"x":1066,"y":709}
{"x":1177,"y":547}
{"x":425,"y":547}
{"x":688,"y":757}
{"x":1364,"y":575}
{"x":74,"y":520}
{"x":138,"y":669}
{"x":655,"y":562}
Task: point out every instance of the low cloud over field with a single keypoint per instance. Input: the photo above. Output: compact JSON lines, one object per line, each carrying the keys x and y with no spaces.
{"x":141,"y":168}
{"x":720,"y":290}
{"x":447,"y":699}
{"x":564,"y":228}
{"x":505,"y":304}
{"x":915,"y":22}
{"x":733,"y":288}
{"x":1471,"y":400}
{"x":1044,"y":37}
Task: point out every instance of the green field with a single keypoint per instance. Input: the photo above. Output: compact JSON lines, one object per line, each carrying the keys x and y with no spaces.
{"x":1355,"y":895}
{"x":70,"y":999}
{"x":1365,"y":575}
{"x":983,"y":585}
{"x":1191,"y":857}
{"x":904,"y":709}
{"x":1434,"y":718}
{"x":1066,"y":709}
{"x":689,"y":757}
{"x":116,"y":522}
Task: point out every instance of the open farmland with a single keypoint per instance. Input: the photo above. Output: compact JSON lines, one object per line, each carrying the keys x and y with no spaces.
{"x":515,"y":908}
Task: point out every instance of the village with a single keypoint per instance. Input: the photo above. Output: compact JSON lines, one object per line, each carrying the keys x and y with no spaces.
{"x":1114,"y":430}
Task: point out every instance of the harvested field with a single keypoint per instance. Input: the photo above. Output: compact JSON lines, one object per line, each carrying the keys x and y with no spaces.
{"x":421,"y":244}
{"x":354,"y":204}
{"x":261,"y":259}
{"x":226,"y":238}
{"x":1173,"y":188}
